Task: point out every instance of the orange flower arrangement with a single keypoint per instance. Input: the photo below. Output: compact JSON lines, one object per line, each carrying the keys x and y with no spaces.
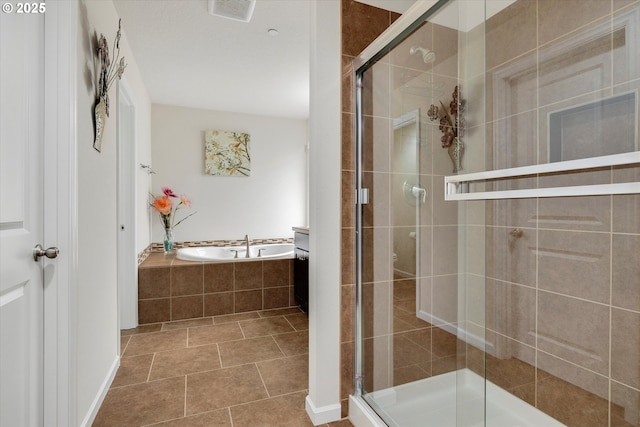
{"x":164,"y":206}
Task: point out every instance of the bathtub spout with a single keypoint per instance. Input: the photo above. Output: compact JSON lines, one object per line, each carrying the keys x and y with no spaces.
{"x":246,"y":240}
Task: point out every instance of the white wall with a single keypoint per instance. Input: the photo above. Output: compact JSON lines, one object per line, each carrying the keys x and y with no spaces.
{"x":323,"y":401}
{"x":264,"y":205}
{"x":96,"y":295}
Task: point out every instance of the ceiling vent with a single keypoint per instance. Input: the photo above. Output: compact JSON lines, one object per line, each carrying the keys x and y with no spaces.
{"x":239,"y":10}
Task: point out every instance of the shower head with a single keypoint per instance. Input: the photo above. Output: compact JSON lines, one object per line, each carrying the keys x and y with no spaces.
{"x":428,"y":56}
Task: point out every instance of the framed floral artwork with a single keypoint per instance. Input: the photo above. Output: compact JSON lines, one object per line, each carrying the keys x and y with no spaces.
{"x":227,"y":153}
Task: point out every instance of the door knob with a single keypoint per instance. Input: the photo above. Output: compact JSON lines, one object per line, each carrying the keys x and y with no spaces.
{"x":51,"y":252}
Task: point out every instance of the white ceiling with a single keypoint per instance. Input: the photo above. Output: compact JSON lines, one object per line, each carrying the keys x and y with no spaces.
{"x":190,"y":58}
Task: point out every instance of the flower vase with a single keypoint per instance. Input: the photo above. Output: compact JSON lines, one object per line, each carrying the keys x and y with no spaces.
{"x":456,"y":150}
{"x":100,"y":117}
{"x":168,"y":240}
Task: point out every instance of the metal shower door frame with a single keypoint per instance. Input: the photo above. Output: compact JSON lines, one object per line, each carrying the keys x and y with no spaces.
{"x":408,"y":22}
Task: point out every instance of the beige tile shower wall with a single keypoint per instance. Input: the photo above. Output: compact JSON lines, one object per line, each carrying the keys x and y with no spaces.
{"x":563,"y":282}
{"x":546,"y":286}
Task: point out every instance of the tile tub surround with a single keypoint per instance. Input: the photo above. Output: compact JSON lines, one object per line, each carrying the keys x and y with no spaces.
{"x":172,"y":289}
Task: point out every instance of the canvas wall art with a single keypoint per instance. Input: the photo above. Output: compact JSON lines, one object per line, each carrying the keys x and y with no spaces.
{"x":227,"y":153}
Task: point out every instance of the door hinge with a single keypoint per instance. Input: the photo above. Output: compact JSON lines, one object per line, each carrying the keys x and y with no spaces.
{"x":362,"y":196}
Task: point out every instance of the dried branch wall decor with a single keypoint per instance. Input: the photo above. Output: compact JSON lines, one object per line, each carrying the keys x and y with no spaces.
{"x":452,"y":127}
{"x":227,"y":153}
{"x":108,"y":73}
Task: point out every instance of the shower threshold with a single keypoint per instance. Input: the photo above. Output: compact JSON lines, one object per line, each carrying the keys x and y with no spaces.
{"x":455,"y":399}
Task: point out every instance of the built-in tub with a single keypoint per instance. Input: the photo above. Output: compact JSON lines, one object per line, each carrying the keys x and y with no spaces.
{"x":228,"y":253}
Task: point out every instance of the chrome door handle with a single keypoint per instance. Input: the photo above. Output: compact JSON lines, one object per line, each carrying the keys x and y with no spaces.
{"x":50,"y":253}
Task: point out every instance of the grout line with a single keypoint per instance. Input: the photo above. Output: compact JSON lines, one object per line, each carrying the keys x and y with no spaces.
{"x":219,"y":355}
{"x":270,"y":398}
{"x":151,"y":367}
{"x":122,"y":350}
{"x":573,"y":297}
{"x":278,"y":345}
{"x":291,"y":324}
{"x":230,"y":417}
{"x":262,"y":379}
{"x":185,"y":396}
{"x":253,"y":363}
{"x":284,"y":355}
{"x":613,"y":380}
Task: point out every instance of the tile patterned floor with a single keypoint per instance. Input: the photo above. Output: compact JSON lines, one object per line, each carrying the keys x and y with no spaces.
{"x":242,"y":370}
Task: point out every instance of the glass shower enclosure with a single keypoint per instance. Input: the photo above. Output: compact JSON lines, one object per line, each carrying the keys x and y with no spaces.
{"x":498,"y":216}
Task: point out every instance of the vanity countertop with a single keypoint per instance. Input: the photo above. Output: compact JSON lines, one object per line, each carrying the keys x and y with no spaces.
{"x":304,"y":230}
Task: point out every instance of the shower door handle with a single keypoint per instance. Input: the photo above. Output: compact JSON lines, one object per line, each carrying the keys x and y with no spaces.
{"x":458,"y":187}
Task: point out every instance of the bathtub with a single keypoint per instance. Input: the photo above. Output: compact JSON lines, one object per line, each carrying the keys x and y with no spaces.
{"x":228,"y":253}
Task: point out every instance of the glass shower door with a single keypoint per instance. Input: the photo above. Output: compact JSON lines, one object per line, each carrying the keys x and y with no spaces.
{"x":562,"y":211}
{"x":497,"y":281}
{"x":420,"y":328}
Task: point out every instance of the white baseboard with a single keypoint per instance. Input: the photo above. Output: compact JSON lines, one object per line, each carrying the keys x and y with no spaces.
{"x":102,"y":392}
{"x":323,"y":414}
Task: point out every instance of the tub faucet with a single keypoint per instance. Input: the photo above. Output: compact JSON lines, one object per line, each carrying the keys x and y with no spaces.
{"x":246,"y":240}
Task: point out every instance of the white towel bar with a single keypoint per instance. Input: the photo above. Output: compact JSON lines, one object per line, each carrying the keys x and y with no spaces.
{"x":457,"y":187}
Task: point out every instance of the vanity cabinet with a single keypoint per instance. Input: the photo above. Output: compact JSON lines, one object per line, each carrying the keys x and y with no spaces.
{"x":301,"y":269}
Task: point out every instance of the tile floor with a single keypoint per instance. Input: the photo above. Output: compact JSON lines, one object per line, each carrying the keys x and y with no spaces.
{"x":241,"y":370}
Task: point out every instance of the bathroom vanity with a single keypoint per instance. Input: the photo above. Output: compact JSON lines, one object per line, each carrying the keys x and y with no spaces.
{"x":301,"y":268}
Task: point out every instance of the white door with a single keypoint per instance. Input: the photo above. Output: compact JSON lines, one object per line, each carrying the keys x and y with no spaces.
{"x":127,"y":260}
{"x":21,"y":218}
